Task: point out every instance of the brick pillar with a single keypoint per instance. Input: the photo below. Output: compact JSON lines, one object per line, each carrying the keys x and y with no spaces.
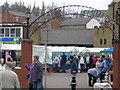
{"x":116,"y":67}
{"x":26,"y":58}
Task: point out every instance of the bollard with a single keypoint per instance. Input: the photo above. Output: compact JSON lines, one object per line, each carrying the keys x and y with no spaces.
{"x":73,"y":82}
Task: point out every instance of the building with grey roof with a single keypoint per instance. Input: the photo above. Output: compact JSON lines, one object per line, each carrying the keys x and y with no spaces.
{"x":75,"y":21}
{"x":80,"y":23}
{"x":83,"y":37}
{"x":22,"y":14}
{"x":15,"y":13}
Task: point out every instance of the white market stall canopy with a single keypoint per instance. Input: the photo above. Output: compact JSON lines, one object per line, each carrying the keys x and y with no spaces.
{"x":40,"y":51}
{"x":10,"y":46}
{"x":84,"y":49}
{"x":81,"y":49}
{"x":37,"y":50}
{"x":62,"y":49}
{"x":96,"y":49}
{"x":53,"y":48}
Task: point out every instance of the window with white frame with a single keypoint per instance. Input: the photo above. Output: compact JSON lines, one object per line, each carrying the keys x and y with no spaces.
{"x":2,"y":32}
{"x":17,"y":32}
{"x":10,"y":32}
{"x":6,"y":32}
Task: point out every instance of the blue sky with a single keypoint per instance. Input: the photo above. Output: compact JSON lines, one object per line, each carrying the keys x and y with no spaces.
{"x":97,"y":4}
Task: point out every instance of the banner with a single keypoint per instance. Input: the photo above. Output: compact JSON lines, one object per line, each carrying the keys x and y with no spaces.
{"x":10,"y":40}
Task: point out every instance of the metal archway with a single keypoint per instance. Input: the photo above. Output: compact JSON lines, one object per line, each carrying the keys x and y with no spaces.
{"x":73,"y":11}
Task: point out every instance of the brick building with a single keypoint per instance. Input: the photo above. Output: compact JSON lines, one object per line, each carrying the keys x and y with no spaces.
{"x":13,"y":16}
{"x":72,"y":32}
{"x":103,"y":37}
{"x":79,"y":23}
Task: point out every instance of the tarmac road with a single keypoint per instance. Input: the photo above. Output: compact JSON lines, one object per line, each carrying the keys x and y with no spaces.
{"x":63,"y":80}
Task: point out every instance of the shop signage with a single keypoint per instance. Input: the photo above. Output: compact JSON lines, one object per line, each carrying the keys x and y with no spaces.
{"x":10,"y":40}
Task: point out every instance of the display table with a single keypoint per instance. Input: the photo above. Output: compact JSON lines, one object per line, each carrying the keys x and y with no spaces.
{"x":104,"y":86}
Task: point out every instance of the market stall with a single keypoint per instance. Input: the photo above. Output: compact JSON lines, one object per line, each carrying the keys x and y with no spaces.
{"x":40,"y":51}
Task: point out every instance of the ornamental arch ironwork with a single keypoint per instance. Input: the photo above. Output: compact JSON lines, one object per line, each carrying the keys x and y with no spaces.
{"x":74,"y":11}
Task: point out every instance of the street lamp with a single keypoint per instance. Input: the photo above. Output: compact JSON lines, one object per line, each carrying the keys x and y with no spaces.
{"x":46,"y":30}
{"x":27,"y":18}
{"x":119,"y":22}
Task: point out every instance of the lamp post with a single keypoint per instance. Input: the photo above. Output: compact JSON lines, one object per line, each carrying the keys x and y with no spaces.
{"x":46,"y":43}
{"x":46,"y":30}
{"x":27,"y":18}
{"x":119,"y":22}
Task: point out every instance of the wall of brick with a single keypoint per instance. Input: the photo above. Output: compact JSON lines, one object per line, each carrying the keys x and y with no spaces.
{"x":116,"y":68}
{"x":102,"y":33}
{"x":8,"y":17}
{"x":26,"y":58}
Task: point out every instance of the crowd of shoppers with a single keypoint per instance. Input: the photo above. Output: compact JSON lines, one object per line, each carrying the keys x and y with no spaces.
{"x":62,"y":63}
{"x":102,"y":66}
{"x":95,"y":66}
{"x":82,"y":63}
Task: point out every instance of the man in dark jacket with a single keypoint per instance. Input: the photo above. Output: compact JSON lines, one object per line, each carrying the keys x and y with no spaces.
{"x":63,"y":62}
{"x":37,"y":74}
